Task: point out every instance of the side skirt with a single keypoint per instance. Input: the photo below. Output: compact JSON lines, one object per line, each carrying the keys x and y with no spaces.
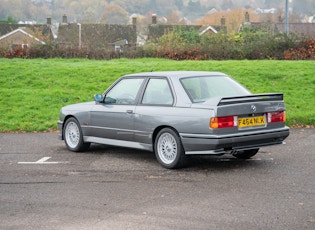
{"x":120,"y":143}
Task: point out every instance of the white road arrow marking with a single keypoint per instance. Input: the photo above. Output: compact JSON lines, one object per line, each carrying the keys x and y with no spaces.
{"x":43,"y":160}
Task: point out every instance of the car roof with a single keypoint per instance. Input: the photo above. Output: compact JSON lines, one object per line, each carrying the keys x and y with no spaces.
{"x":176,"y":74}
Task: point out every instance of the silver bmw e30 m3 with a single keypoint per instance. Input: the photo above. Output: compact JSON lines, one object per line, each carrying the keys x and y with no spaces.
{"x":177,"y":114}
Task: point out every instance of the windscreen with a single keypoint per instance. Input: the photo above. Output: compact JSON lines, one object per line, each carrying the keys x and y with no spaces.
{"x":200,"y":89}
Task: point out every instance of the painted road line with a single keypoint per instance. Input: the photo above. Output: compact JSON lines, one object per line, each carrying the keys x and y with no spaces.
{"x":44,"y":160}
{"x":260,"y":159}
{"x":251,"y":159}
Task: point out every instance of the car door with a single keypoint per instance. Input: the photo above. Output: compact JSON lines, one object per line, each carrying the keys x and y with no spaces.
{"x":155,"y":109}
{"x":114,"y":118}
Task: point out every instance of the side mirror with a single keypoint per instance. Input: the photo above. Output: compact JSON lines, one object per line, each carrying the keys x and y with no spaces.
{"x":98,"y":98}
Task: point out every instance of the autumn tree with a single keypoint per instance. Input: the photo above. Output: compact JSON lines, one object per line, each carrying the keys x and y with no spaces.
{"x":303,"y":6}
{"x":173,"y":17}
{"x":137,"y":6}
{"x":233,"y":18}
{"x":227,"y":4}
{"x":3,"y":9}
{"x":93,"y":10}
{"x":179,"y":4}
{"x":114,"y":14}
{"x":194,"y":10}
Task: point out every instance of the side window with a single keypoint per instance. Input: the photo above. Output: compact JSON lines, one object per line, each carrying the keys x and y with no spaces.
{"x":124,"y":92}
{"x":192,"y":87}
{"x":158,"y":92}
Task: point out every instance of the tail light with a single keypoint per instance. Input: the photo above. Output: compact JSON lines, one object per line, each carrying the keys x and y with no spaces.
{"x":223,"y":122}
{"x":276,"y":117}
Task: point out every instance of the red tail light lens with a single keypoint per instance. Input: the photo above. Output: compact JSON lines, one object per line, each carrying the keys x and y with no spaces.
{"x":276,"y":117}
{"x":223,"y":122}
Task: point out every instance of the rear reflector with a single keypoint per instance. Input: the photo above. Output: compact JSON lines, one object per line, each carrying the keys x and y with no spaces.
{"x":276,"y":117}
{"x":223,"y":122}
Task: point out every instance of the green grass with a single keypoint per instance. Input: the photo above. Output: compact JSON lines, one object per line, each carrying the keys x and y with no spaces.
{"x":33,"y":91}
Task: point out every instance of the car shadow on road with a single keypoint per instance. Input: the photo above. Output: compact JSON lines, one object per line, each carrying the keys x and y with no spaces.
{"x":224,"y":162}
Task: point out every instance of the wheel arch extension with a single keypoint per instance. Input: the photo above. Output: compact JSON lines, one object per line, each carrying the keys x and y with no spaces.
{"x":158,"y":129}
{"x":64,"y":122}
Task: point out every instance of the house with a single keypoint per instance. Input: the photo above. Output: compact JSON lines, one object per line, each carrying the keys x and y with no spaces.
{"x":120,"y":45}
{"x":156,"y":31}
{"x":302,"y":30}
{"x":20,"y":37}
{"x":43,"y":31}
{"x":95,"y":36}
{"x":208,"y":29}
{"x":266,"y":11}
{"x":70,"y":35}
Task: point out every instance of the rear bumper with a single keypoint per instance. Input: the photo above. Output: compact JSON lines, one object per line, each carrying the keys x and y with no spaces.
{"x":220,"y":144}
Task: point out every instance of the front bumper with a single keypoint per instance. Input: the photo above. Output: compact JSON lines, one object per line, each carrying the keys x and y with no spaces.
{"x":60,"y":125}
{"x":220,"y":144}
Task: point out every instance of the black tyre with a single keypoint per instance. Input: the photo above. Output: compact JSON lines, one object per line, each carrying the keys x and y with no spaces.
{"x":169,"y":150}
{"x":246,"y":154}
{"x":73,"y":136}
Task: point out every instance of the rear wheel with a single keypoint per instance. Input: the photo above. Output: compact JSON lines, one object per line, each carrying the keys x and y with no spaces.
{"x":169,"y":150}
{"x":73,"y":136}
{"x":246,"y":154}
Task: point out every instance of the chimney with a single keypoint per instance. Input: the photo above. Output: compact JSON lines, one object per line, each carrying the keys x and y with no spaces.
{"x":223,"y":27}
{"x":48,"y":21}
{"x":64,"y":19}
{"x":154,"y":21}
{"x":223,"y":21}
{"x":247,"y":17}
{"x":134,"y":21}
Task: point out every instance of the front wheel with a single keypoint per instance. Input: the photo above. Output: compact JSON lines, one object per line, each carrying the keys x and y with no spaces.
{"x":73,"y":136}
{"x":246,"y":154}
{"x":169,"y":150}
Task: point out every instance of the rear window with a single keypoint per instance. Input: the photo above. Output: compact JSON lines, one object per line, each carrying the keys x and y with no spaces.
{"x":200,"y":89}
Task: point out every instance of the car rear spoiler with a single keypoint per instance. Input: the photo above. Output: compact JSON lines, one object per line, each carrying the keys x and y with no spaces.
{"x":251,"y":98}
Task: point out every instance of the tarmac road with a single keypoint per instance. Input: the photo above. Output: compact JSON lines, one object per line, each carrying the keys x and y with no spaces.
{"x":44,"y":186}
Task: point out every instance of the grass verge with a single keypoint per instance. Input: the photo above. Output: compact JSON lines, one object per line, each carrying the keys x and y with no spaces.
{"x":32,"y":91}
